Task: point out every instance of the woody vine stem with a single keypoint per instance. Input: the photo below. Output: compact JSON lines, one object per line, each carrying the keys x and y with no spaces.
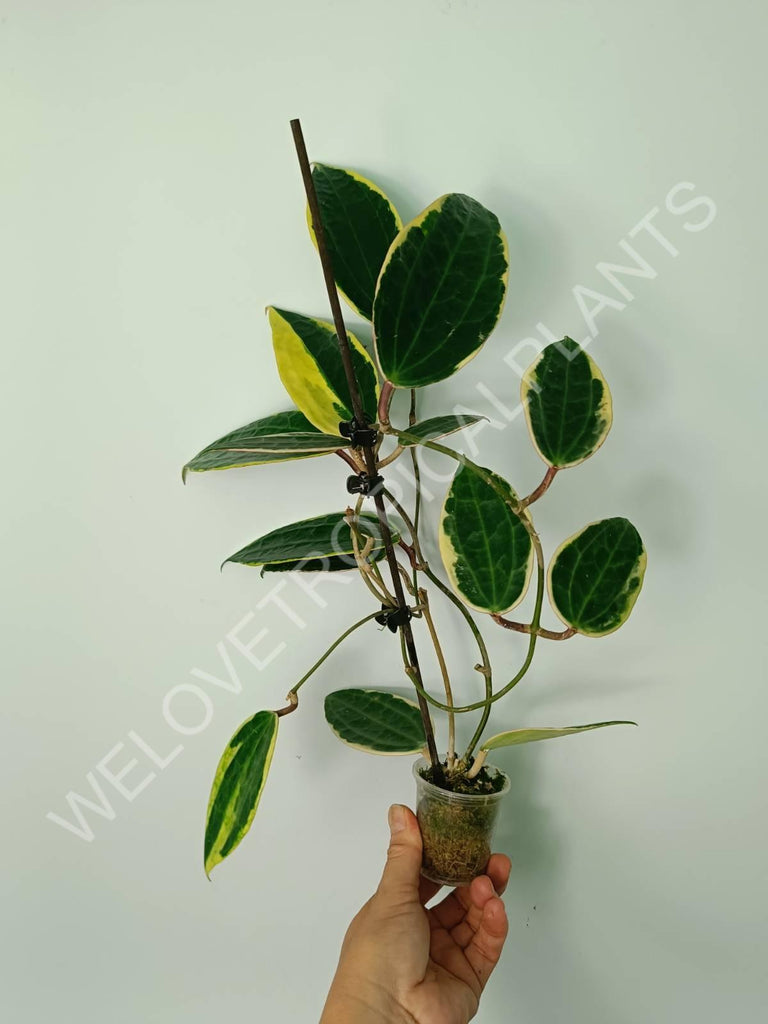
{"x":369,"y":453}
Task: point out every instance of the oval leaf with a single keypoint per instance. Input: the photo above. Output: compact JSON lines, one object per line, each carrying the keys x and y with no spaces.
{"x":321,"y":543}
{"x":440,"y":292}
{"x":485,"y":547}
{"x":310,"y":367}
{"x":567,"y":404}
{"x":515,"y":736}
{"x":437,"y":426}
{"x":595,"y":576}
{"x":237,"y":786}
{"x":375,"y":721}
{"x":360,"y":224}
{"x":246,"y":445}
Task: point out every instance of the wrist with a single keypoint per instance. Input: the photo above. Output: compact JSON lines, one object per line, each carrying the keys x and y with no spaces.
{"x":362,"y":1003}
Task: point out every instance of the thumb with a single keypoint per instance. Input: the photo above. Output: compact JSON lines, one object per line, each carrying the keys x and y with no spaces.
{"x":400,"y":880}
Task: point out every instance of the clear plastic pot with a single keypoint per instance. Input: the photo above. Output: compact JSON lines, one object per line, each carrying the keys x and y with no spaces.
{"x":456,"y":828}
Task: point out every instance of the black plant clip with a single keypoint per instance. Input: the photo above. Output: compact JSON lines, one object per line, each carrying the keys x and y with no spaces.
{"x":360,"y":435}
{"x":393,"y":618}
{"x":362,"y":483}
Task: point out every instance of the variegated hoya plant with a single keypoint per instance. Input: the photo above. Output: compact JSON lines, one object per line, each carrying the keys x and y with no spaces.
{"x":433,"y":291}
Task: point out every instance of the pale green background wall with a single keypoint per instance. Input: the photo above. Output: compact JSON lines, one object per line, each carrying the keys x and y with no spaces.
{"x":150,"y":209}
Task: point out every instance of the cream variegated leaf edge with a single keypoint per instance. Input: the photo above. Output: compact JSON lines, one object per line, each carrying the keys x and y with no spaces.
{"x":450,"y":556}
{"x":235,"y":821}
{"x":516,"y":736}
{"x":401,"y":237}
{"x":374,"y":188}
{"x":528,"y":385}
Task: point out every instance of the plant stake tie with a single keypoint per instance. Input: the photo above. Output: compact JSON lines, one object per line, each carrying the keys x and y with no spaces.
{"x":360,"y":430}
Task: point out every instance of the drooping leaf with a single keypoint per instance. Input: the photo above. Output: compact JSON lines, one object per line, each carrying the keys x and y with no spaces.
{"x":567,"y":404}
{"x":595,"y":576}
{"x":239,"y":447}
{"x":375,"y":721}
{"x":515,"y":736}
{"x":440,"y":292}
{"x":322,"y":543}
{"x":310,"y":367}
{"x":237,"y":786}
{"x":360,"y":224}
{"x":485,"y":547}
{"x":438,"y":426}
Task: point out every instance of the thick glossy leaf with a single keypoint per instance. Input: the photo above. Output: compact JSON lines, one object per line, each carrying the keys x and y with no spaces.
{"x":237,"y":787}
{"x":438,"y":426}
{"x":360,"y":224}
{"x":567,"y":404}
{"x":375,"y":721}
{"x":247,"y":446}
{"x":310,"y":367}
{"x":440,"y":292}
{"x":485,"y":547}
{"x":312,"y":442}
{"x":595,"y":576}
{"x":321,"y":543}
{"x":515,"y":736}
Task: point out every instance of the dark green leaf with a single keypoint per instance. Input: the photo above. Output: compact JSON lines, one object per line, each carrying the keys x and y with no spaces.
{"x":515,"y":736}
{"x":375,"y":721}
{"x":238,"y":448}
{"x":440,"y":292}
{"x":485,"y":547}
{"x":321,"y":543}
{"x":567,"y":404}
{"x":237,"y":786}
{"x":595,"y":576}
{"x":360,"y":224}
{"x":438,"y":426}
{"x":312,"y":443}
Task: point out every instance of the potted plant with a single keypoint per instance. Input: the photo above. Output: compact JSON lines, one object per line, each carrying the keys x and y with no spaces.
{"x":433,"y":291}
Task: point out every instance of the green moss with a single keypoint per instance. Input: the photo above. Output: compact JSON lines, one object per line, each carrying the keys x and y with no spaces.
{"x":457,"y":836}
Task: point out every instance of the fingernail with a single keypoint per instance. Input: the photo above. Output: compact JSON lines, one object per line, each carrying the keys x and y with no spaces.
{"x":396,"y":818}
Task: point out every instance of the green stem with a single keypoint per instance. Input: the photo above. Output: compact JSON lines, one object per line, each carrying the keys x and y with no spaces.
{"x":331,"y":649}
{"x":524,"y":517}
{"x":515,"y":680}
{"x":485,"y":666}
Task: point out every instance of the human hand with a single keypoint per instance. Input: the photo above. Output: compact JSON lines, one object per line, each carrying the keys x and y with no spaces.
{"x":401,"y":963}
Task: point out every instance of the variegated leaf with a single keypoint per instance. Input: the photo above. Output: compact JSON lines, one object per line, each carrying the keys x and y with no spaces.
{"x":310,"y":367}
{"x":567,"y":404}
{"x":360,"y":224}
{"x":485,"y":547}
{"x":237,"y":786}
{"x":375,"y":721}
{"x":515,"y":736}
{"x":437,"y":426}
{"x":440,"y":291}
{"x":595,"y":576}
{"x":323,"y":543}
{"x":251,"y":445}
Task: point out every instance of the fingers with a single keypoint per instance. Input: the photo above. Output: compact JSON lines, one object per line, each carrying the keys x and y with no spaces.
{"x":400,"y":880}
{"x":454,"y":908}
{"x":485,"y":947}
{"x":498,"y":869}
{"x":479,"y":893}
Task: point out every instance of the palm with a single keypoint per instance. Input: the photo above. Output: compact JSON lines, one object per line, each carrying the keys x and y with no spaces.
{"x":465,"y":938}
